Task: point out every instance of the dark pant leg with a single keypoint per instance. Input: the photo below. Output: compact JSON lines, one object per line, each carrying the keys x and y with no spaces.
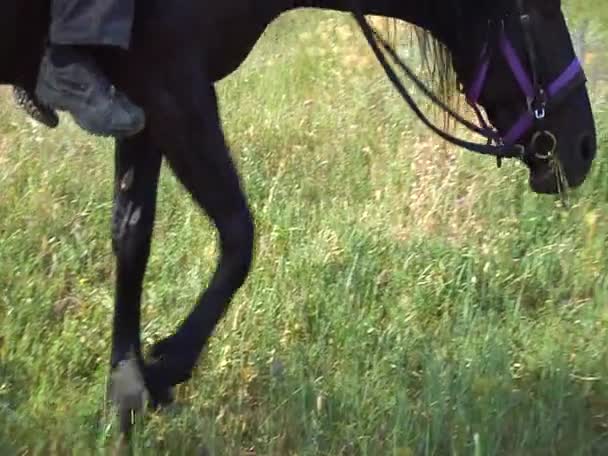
{"x":92,"y":22}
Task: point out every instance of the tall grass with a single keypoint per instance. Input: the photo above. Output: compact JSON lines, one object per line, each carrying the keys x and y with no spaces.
{"x":406,"y":298}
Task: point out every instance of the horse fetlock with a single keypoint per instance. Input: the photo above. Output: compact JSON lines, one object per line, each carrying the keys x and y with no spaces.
{"x":161,"y":394}
{"x":161,"y":378}
{"x":172,"y":363}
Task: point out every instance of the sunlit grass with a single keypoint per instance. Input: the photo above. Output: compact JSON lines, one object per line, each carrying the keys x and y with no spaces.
{"x":406,"y":298}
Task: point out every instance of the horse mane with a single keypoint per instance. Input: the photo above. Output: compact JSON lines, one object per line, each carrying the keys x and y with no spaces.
{"x":435,"y":59}
{"x":436,"y":65}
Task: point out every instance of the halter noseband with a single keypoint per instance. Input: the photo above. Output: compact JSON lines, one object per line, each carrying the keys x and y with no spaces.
{"x":539,"y":99}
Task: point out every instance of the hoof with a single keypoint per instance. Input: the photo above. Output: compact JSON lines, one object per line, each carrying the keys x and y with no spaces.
{"x":128,"y":392}
{"x":162,"y":392}
{"x":171,"y":364}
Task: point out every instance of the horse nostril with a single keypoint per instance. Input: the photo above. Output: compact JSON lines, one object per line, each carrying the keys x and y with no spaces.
{"x":588,"y":147}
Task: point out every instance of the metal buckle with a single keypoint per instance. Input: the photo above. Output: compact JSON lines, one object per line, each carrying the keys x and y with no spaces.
{"x":537,"y":105}
{"x":540,"y":113}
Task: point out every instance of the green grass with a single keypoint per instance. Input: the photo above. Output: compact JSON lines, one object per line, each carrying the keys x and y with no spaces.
{"x":406,"y":299}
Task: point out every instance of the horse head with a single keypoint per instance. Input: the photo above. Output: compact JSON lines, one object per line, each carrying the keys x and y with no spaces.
{"x":515,"y":59}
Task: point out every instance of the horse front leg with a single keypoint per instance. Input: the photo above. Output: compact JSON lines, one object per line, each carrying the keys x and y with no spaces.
{"x":137,"y":165}
{"x":200,"y":158}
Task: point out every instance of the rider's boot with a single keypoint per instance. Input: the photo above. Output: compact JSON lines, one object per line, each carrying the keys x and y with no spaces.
{"x":70,"y":78}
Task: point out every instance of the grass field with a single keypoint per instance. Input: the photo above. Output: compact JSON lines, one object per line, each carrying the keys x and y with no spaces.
{"x":407,"y":298}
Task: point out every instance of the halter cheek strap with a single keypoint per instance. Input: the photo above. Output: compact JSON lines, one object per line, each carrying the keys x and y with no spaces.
{"x":538,"y":98}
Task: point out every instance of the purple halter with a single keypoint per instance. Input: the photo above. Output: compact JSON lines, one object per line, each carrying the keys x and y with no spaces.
{"x":537,"y":97}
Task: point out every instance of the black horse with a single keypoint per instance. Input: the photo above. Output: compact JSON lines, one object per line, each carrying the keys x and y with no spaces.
{"x":182,"y":47}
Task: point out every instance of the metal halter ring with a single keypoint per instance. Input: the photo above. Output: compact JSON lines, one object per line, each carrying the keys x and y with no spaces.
{"x":551,"y":150}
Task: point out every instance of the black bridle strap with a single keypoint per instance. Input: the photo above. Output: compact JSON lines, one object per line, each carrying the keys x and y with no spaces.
{"x":526,"y":25}
{"x":373,"y":38}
